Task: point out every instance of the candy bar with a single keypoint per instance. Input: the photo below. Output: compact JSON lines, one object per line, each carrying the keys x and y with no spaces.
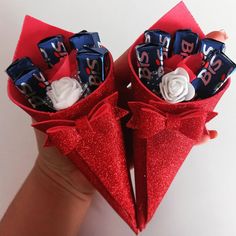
{"x":52,"y":49}
{"x":185,"y":43}
{"x":84,"y":38}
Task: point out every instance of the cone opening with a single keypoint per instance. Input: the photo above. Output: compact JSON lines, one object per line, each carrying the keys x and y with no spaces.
{"x":132,"y":65}
{"x":22,"y":102}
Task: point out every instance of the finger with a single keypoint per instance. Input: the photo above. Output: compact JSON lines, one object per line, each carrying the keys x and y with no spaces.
{"x":220,"y":35}
{"x":204,"y":139}
{"x":212,"y":134}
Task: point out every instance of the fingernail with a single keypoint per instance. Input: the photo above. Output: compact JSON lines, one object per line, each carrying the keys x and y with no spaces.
{"x":213,"y":134}
{"x":224,"y":32}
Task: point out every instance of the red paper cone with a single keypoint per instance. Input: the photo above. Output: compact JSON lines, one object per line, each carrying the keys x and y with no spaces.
{"x":88,"y":132}
{"x":162,"y":134}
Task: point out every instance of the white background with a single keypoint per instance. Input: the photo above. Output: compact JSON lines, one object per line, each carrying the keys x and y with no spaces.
{"x":202,"y":198}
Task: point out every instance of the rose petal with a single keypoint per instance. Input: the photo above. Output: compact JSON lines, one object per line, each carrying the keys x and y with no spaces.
{"x":182,"y":71}
{"x":180,"y":99}
{"x":175,"y":86}
{"x":165,"y":80}
{"x":191,"y":92}
{"x":166,"y":93}
{"x":64,"y":92}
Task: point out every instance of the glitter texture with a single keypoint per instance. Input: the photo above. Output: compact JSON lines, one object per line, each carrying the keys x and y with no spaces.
{"x":159,"y":135}
{"x":95,"y":142}
{"x":89,"y":131}
{"x":162,"y":134}
{"x":166,"y":139}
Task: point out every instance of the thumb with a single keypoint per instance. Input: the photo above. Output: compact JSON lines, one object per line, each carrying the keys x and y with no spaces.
{"x":220,"y":35}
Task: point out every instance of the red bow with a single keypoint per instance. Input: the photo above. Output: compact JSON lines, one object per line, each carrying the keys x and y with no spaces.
{"x":148,"y":120}
{"x":67,"y":134}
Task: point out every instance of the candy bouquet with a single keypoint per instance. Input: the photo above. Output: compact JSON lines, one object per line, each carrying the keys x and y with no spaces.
{"x":151,"y":110}
{"x":65,"y":82}
{"x":174,"y":77}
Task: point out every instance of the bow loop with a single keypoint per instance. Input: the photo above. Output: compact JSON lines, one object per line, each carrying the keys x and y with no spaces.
{"x":66,"y":134}
{"x":83,"y":126}
{"x":172,"y":122}
{"x":211,"y":115}
{"x":147,"y":120}
{"x":109,"y":105}
{"x":65,"y":138}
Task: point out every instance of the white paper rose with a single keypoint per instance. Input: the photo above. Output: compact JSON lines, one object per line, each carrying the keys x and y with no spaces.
{"x":65,"y":92}
{"x":176,"y":87}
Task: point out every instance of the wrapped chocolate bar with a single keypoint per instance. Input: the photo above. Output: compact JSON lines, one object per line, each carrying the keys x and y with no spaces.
{"x":150,"y":64}
{"x":89,"y":39}
{"x":169,"y":118}
{"x":185,"y":43}
{"x":30,"y":81}
{"x":208,"y":45}
{"x":72,"y":97}
{"x":52,"y":49}
{"x":159,"y":37}
{"x":93,"y":66}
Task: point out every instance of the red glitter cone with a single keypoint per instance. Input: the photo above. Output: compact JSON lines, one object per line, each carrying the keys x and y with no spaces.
{"x":162,"y":134}
{"x":88,"y":132}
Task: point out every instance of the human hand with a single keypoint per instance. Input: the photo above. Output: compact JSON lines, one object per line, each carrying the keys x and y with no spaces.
{"x":61,"y":169}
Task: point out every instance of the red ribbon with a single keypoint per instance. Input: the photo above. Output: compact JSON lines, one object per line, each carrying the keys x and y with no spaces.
{"x":66,"y":134}
{"x":147,"y":120}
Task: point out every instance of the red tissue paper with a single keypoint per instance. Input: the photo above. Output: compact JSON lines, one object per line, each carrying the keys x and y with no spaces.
{"x":161,"y":134}
{"x":88,"y":132}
